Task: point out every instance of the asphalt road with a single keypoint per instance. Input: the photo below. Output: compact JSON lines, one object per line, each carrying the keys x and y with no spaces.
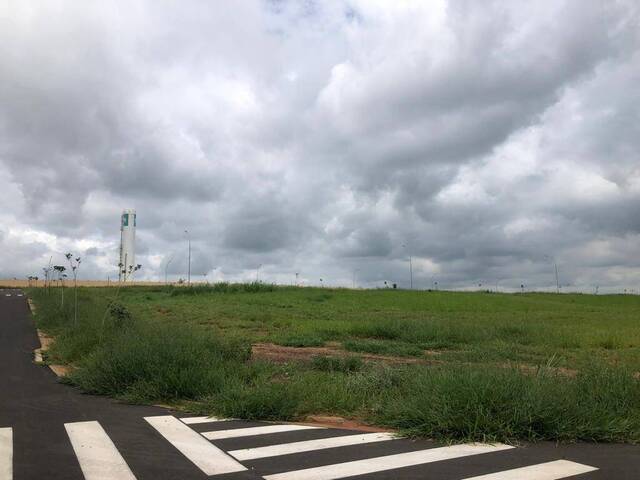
{"x":51,"y":431}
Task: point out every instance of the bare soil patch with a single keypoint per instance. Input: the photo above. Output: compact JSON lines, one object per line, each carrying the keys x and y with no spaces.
{"x":282,"y":354}
{"x":340,"y":422}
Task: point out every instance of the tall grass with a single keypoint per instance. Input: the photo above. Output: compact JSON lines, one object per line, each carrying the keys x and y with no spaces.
{"x":224,"y":287}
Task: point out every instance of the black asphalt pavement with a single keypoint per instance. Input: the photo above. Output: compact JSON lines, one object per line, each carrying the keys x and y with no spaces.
{"x":155,"y":443}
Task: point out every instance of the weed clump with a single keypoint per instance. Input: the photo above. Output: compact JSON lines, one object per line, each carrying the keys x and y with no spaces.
{"x":337,"y":364}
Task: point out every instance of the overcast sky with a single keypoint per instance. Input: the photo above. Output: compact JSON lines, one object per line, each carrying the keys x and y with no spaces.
{"x":481,"y":138}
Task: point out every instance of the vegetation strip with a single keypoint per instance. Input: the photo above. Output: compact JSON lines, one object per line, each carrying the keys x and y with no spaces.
{"x":510,"y":367}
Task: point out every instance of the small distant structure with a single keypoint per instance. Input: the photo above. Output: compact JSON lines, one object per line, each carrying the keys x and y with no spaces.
{"x":127,"y":262}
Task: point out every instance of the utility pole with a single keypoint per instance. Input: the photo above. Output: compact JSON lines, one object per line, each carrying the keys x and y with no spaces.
{"x":258,"y":272}
{"x":189,"y":262}
{"x":297,"y":278}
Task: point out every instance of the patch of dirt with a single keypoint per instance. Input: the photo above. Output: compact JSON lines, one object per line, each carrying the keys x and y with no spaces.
{"x":533,"y":369}
{"x":339,"y":422}
{"x":281,"y":354}
{"x":432,"y":353}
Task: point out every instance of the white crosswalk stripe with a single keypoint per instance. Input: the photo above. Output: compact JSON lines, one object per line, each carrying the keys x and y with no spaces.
{"x":309,"y":445}
{"x":6,"y":453}
{"x":206,"y":456}
{"x":198,"y":420}
{"x":98,"y":457}
{"x":543,"y":471}
{"x":248,"y":432}
{"x":387,"y":462}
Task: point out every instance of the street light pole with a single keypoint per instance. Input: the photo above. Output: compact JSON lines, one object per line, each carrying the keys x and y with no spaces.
{"x":555,"y":265}
{"x":410,"y":273}
{"x":166,"y":267}
{"x":410,"y":268}
{"x":189,"y":262}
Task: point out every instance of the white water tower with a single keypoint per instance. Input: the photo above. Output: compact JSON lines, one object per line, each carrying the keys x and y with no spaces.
{"x":127,"y":244}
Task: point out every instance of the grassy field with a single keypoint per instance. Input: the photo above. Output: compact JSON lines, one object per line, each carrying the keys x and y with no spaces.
{"x":460,"y":366}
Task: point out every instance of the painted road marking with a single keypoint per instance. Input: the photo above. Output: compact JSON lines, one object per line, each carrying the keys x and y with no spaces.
{"x":310,"y":445}
{"x":98,"y":457}
{"x":388,"y":462}
{"x":248,"y":432}
{"x":543,"y":471}
{"x":195,"y":420}
{"x":7,"y":294}
{"x":20,"y":295}
{"x":205,"y":455}
{"x":6,"y":453}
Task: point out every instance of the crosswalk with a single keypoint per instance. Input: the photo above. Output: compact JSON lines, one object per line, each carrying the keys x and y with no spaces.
{"x":209,"y":458}
{"x":16,"y":294}
{"x":6,"y":453}
{"x":218,"y":446}
{"x":98,"y":456}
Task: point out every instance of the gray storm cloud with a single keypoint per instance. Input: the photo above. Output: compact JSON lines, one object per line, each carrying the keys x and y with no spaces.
{"x":326,"y":138}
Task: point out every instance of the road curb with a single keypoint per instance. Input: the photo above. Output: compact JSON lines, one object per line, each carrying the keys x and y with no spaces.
{"x":45,"y":341}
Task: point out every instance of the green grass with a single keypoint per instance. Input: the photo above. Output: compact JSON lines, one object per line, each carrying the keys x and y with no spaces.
{"x":192,"y":346}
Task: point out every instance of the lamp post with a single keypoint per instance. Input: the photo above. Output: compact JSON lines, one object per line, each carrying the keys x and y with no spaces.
{"x":166,"y":267}
{"x":189,"y":262}
{"x":410,"y":268}
{"x":555,"y":265}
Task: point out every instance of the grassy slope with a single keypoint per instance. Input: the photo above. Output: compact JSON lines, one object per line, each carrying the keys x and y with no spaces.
{"x":192,"y":345}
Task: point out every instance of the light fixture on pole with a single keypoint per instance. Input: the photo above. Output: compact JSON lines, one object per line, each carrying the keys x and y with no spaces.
{"x":189,"y":261}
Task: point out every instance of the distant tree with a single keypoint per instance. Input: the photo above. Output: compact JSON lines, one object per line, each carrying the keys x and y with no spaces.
{"x":60,"y":269}
{"x":125,"y":273}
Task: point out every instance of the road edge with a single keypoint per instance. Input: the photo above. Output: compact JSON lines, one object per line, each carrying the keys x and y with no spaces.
{"x":45,"y":341}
